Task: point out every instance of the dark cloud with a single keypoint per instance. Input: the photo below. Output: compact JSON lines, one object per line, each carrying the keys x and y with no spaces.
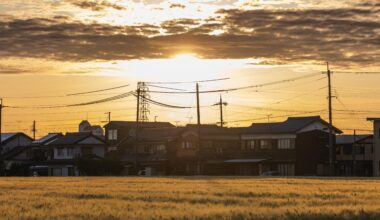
{"x":95,"y":5}
{"x":342,"y":36}
{"x":177,"y":6}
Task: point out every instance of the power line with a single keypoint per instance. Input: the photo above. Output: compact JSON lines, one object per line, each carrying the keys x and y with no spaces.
{"x":189,"y":82}
{"x":96,"y":91}
{"x":121,"y":96}
{"x":241,"y":88}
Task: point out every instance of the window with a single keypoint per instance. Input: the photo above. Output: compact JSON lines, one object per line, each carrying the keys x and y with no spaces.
{"x":112,"y":134}
{"x":250,"y":145}
{"x":187,"y":144}
{"x":265,"y":144}
{"x":60,"y":151}
{"x":161,"y":148}
{"x":286,"y":169}
{"x":70,"y":151}
{"x":285,"y":144}
{"x":219,"y":150}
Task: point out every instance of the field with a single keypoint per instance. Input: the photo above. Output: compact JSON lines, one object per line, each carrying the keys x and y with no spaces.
{"x":189,"y":198}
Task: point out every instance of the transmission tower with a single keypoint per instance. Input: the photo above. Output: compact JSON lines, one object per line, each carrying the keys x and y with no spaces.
{"x":144,"y":105}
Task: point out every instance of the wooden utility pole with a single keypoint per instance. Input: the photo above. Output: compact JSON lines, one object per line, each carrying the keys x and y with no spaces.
{"x":221,"y":103}
{"x":34,"y":130}
{"x":198,"y":108}
{"x":331,"y":144}
{"x":199,"y":130}
{"x":354,"y":155}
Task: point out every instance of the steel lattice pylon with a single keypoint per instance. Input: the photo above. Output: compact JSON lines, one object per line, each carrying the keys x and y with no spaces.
{"x":144,"y":105}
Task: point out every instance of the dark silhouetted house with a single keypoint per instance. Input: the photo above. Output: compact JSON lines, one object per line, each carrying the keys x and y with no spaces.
{"x":354,"y":155}
{"x":121,"y":142}
{"x":297,"y":146}
{"x":376,"y":146}
{"x":68,"y":149}
{"x":16,"y":153}
{"x":217,"y":145}
{"x":10,"y":141}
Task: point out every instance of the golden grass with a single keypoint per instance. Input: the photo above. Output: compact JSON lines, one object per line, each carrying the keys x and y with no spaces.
{"x":189,"y":198}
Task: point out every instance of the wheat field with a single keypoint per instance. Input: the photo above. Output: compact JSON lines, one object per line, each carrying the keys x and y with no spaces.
{"x":188,"y":198}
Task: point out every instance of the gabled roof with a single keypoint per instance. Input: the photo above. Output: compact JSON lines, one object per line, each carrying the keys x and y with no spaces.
{"x":6,"y":137}
{"x":291,"y":125}
{"x":74,"y":138}
{"x":47,"y":138}
{"x":141,"y":124}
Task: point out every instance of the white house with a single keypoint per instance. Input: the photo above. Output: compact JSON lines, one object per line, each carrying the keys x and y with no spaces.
{"x":67,"y":149}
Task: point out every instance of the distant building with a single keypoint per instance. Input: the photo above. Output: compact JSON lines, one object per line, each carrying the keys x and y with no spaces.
{"x":85,"y":126}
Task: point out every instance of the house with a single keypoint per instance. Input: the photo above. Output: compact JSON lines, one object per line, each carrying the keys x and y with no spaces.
{"x":10,"y":141}
{"x":121,"y":145}
{"x":85,"y":126}
{"x":297,"y":146}
{"x":204,"y":150}
{"x":354,"y":155}
{"x":68,"y":149}
{"x":16,"y":153}
{"x":376,"y":145}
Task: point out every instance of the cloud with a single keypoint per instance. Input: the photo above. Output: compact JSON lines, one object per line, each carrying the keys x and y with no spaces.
{"x":177,"y":6}
{"x":347,"y":36}
{"x":95,"y":5}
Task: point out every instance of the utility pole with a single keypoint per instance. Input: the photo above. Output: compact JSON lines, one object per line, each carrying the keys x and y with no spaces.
{"x":221,"y":103}
{"x":354,"y":155}
{"x":34,"y":130}
{"x":199,"y":130}
{"x":331,"y":144}
{"x":109,"y":116}
{"x":137,"y":127}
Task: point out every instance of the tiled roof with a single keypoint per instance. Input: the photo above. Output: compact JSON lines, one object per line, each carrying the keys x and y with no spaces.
{"x":47,"y":138}
{"x":291,"y":125}
{"x":8,"y":136}
{"x":73,"y":138}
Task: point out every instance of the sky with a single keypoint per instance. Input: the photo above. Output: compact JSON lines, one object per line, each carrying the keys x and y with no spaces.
{"x":50,"y":49}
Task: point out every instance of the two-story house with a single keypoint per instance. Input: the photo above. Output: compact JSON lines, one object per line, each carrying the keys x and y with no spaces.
{"x":68,"y":149}
{"x":121,"y":143}
{"x":297,"y":146}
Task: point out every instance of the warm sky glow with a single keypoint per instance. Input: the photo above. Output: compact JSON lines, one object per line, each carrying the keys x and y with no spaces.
{"x":84,"y":45}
